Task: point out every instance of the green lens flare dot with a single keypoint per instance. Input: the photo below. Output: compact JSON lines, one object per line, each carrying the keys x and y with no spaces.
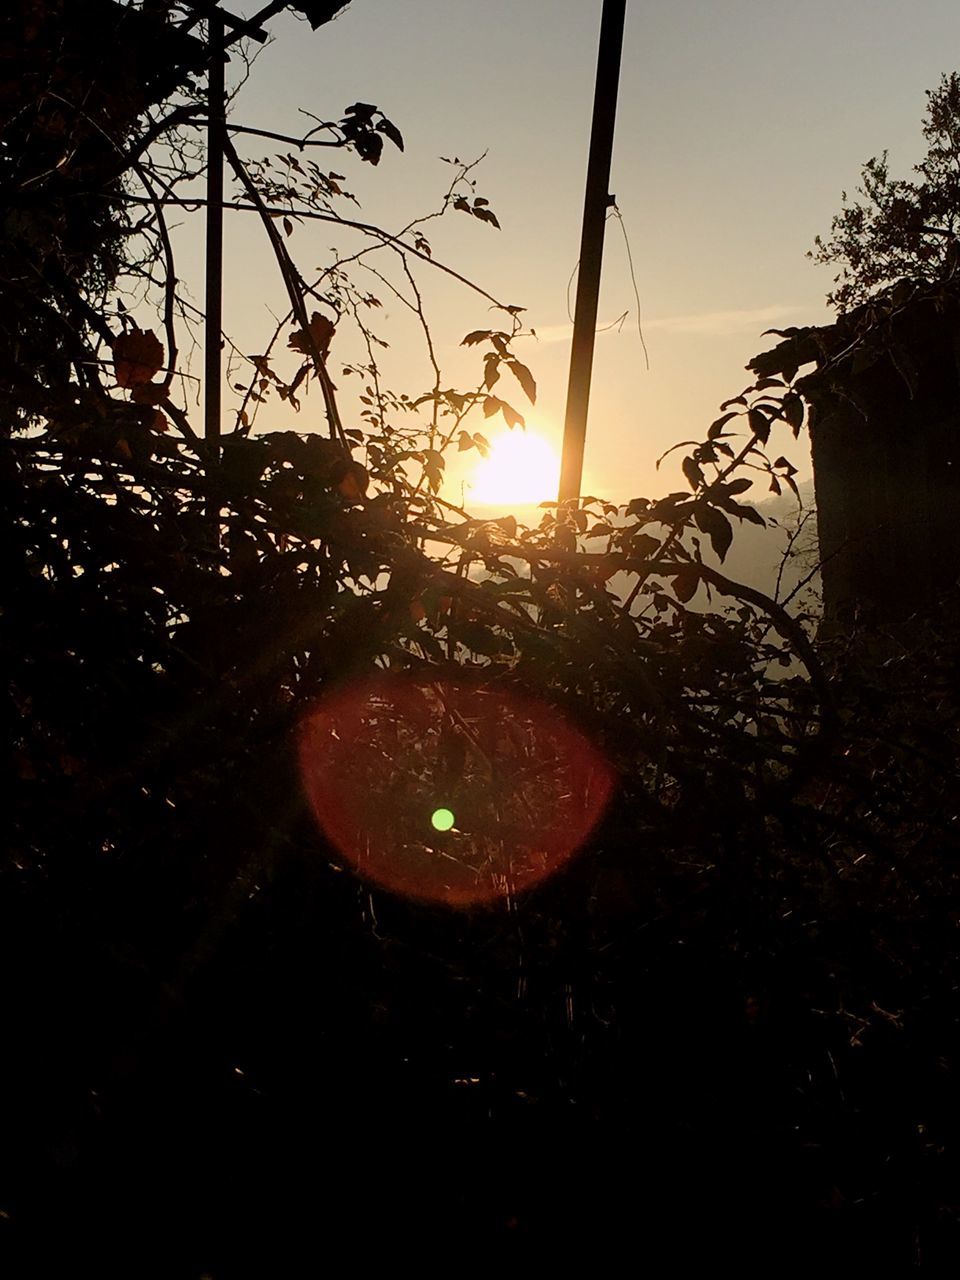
{"x":442,"y":819}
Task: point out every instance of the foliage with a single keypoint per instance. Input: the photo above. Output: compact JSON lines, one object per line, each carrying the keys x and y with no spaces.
{"x":901,"y":227}
{"x":740,"y":941}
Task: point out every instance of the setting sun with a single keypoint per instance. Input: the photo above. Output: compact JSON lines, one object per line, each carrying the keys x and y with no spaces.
{"x":522,"y":467}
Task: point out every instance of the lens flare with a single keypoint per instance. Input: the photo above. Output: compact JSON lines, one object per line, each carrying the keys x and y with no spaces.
{"x":442,"y":819}
{"x":523,"y":786}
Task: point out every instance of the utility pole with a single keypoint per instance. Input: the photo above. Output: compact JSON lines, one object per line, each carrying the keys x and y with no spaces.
{"x":596,"y":203}
{"x":213,"y":331}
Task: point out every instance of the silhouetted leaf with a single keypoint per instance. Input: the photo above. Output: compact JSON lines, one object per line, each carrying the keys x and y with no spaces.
{"x":318,"y":12}
{"x":525,"y":378}
{"x":511,"y":417}
{"x":717,"y":528}
{"x":321,"y":331}
{"x":685,"y":584}
{"x":717,"y":427}
{"x":792,"y":409}
{"x":486,"y":215}
{"x":137,"y":357}
{"x":390,"y":129}
{"x":691,"y":470}
{"x":759,"y":424}
{"x":743,"y":513}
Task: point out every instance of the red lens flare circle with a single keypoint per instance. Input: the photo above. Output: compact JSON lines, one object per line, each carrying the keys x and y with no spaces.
{"x":450,"y":791}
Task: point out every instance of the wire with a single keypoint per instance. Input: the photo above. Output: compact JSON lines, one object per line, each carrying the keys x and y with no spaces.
{"x":576,"y":268}
{"x":618,"y":323}
{"x":615,"y":212}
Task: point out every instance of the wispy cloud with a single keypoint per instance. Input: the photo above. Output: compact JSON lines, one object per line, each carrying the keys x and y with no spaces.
{"x":707,"y":323}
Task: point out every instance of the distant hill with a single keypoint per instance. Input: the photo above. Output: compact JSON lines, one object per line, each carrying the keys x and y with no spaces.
{"x":756,"y":556}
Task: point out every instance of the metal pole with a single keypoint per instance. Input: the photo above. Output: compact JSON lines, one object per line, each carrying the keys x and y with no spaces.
{"x":213,"y":333}
{"x":596,"y":202}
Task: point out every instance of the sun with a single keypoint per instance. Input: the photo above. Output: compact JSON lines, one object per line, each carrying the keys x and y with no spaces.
{"x":522,"y":467}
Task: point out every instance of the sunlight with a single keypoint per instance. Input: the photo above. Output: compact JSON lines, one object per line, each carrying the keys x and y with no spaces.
{"x":522,"y":467}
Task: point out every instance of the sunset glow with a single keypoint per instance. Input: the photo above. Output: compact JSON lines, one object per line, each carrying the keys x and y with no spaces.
{"x":522,"y":467}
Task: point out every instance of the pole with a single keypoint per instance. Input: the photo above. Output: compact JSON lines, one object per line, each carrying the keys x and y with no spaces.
{"x":596,"y":202}
{"x":213,"y":330}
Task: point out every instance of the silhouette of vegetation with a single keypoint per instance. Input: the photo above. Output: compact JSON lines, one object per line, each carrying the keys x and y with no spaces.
{"x":227,"y":1053}
{"x":901,"y":227}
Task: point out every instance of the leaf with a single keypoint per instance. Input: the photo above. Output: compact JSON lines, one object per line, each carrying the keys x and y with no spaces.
{"x":759,"y":425}
{"x":491,"y":405}
{"x":792,"y":409}
{"x":390,"y":129}
{"x":479,"y":639}
{"x":148,"y":393}
{"x":738,"y":486}
{"x":317,"y":12}
{"x":717,"y":427}
{"x":137,"y":357}
{"x":783,"y":333}
{"x":478,"y":335}
{"x":482,"y":443}
{"x":644,"y":544}
{"x":355,"y":482}
{"x":744,"y":513}
{"x":486,"y":215}
{"x":287,"y":227}
{"x":717,"y":528}
{"x":694,"y":475}
{"x":321,"y":331}
{"x":673,"y":448}
{"x":511,"y":417}
{"x":685,"y":584}
{"x":525,"y":378}
{"x":465,"y":441}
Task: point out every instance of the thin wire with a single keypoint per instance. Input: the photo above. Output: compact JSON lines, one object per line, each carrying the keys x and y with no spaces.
{"x":618,"y":323}
{"x":576,"y":268}
{"x":615,"y":211}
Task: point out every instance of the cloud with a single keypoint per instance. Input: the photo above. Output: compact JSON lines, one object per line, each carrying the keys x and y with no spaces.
{"x":705,"y":323}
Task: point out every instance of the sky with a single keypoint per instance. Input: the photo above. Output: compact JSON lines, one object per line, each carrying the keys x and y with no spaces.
{"x":739,"y":126}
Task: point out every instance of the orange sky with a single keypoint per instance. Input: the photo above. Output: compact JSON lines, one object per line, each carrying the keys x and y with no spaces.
{"x":739,"y":126}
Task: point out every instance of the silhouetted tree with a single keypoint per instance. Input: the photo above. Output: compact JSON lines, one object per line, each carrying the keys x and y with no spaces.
{"x":900,"y":227}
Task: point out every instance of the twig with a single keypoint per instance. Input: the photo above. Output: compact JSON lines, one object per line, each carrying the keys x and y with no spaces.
{"x":293,"y":282}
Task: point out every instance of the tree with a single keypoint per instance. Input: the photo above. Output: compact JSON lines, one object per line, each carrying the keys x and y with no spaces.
{"x":901,"y":227}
